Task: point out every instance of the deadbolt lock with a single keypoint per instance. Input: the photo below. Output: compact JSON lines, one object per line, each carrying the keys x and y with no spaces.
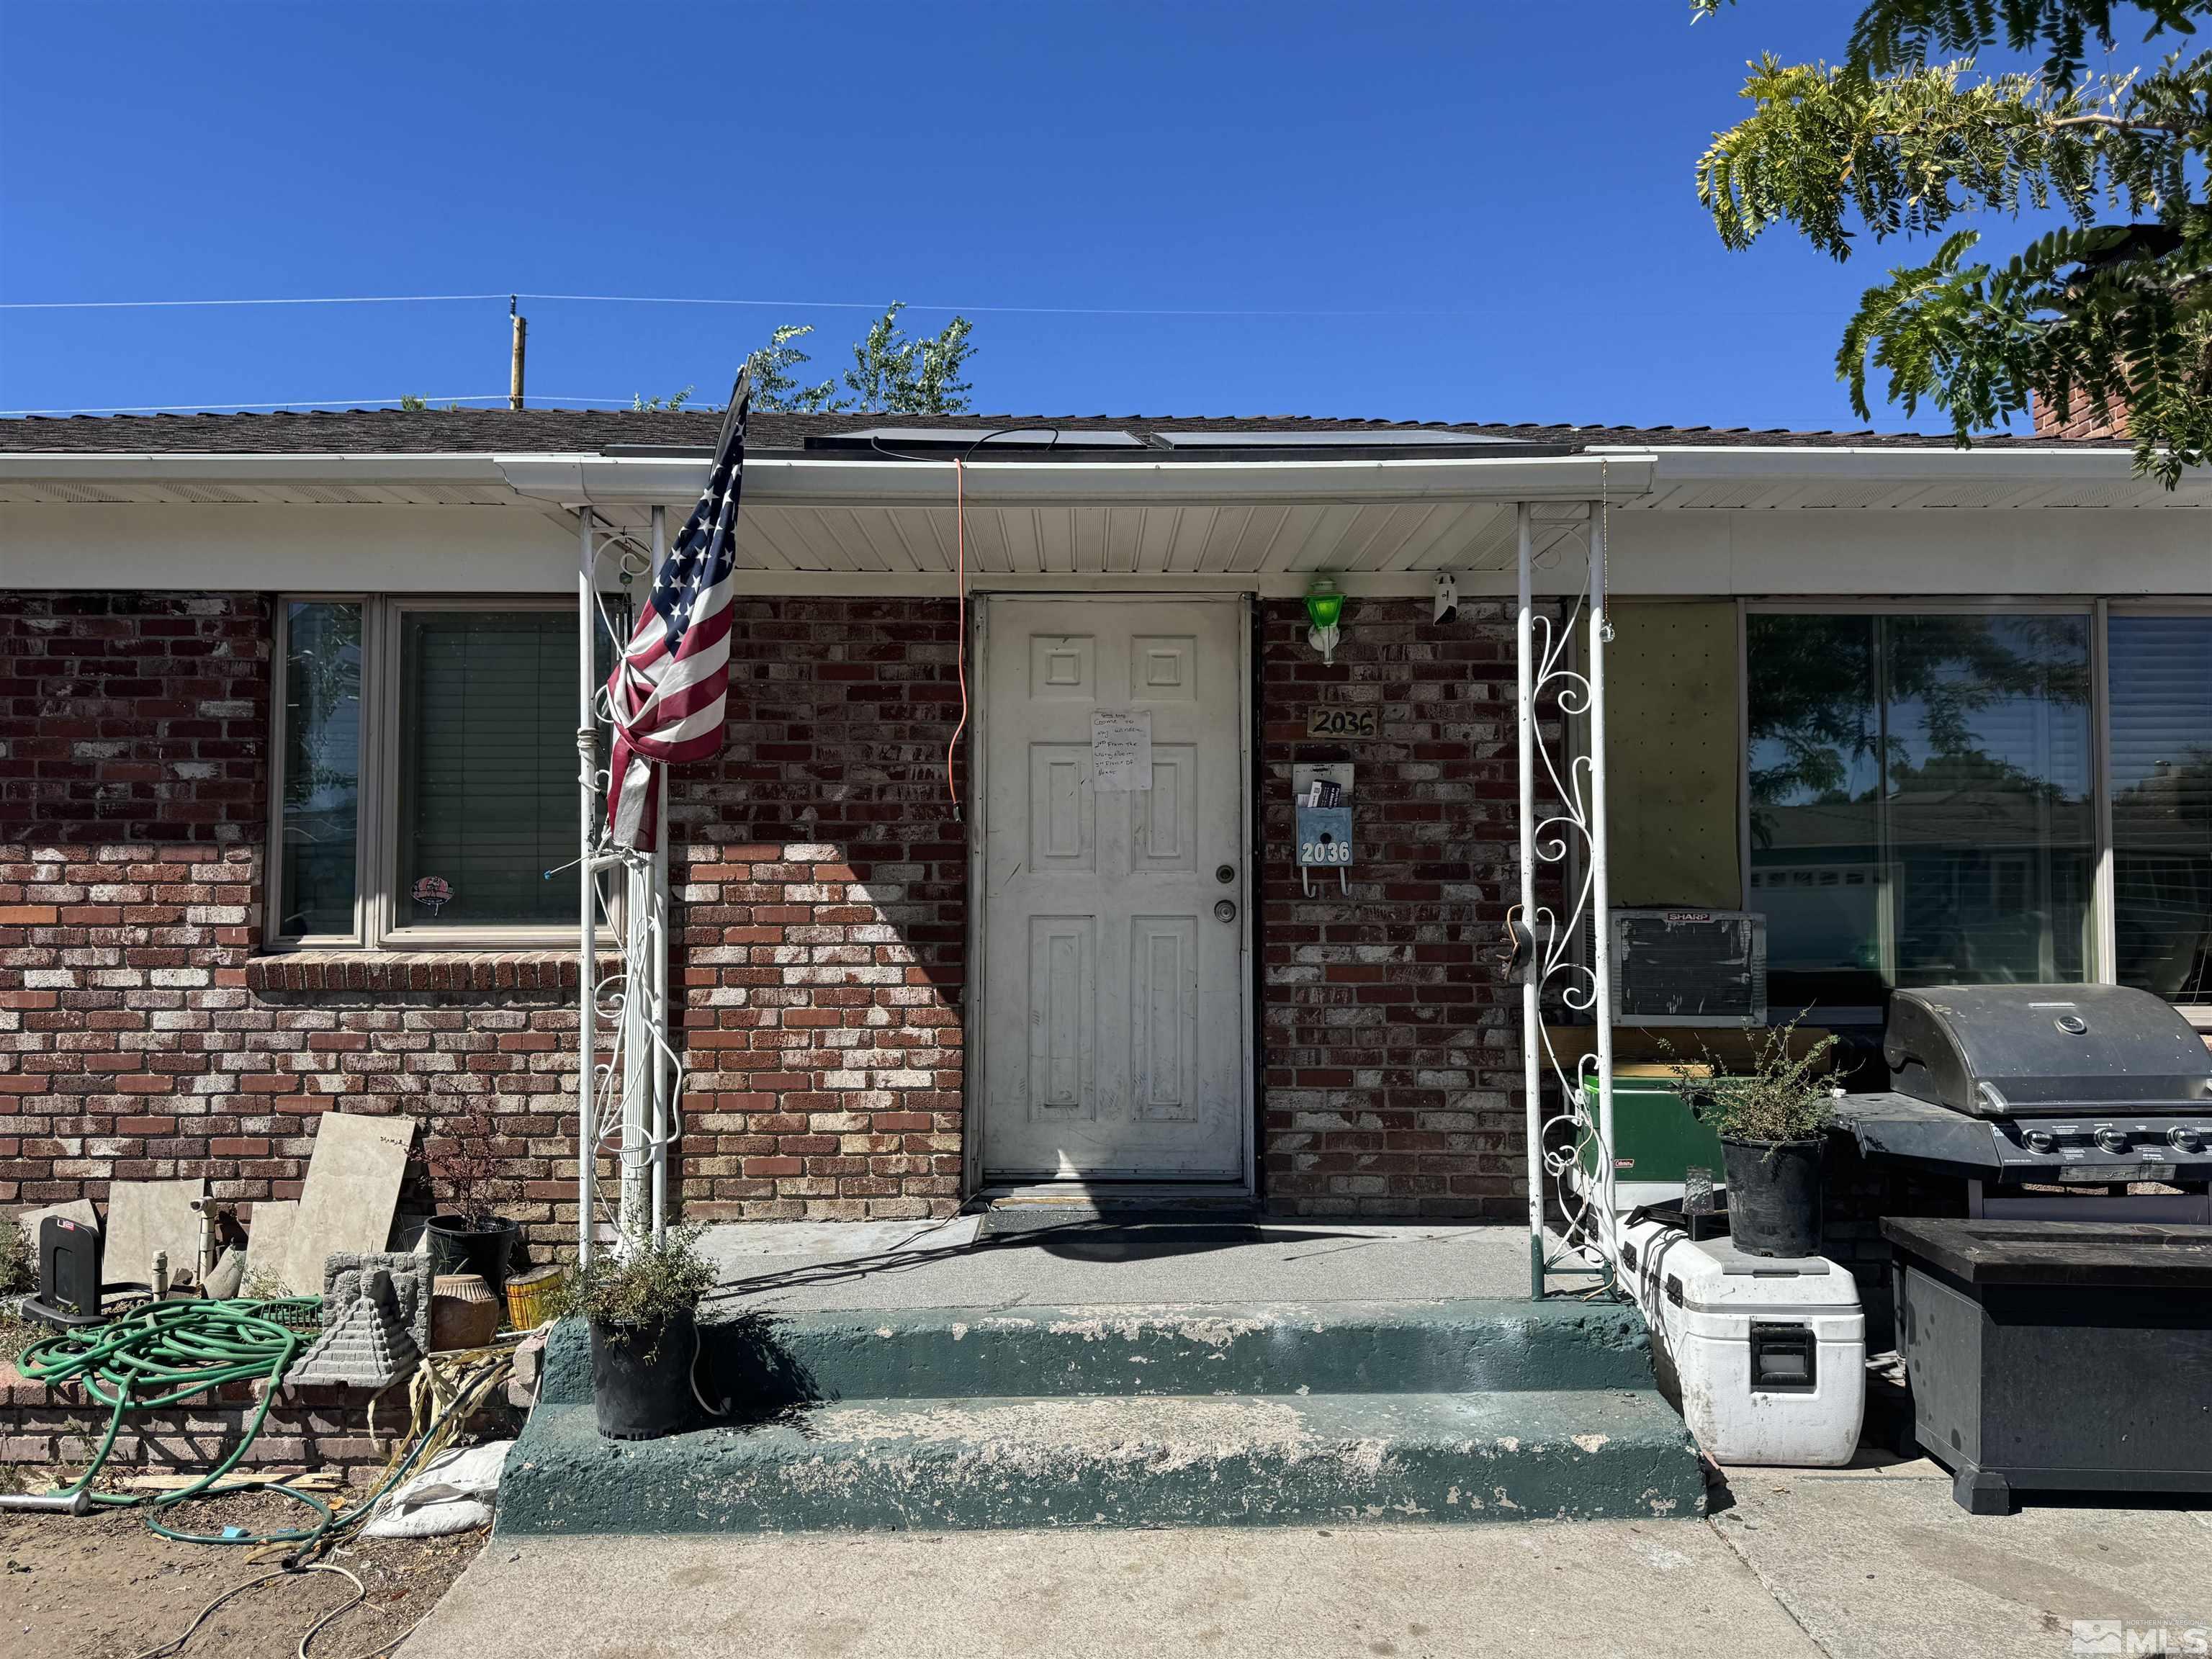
{"x":1224,"y":873}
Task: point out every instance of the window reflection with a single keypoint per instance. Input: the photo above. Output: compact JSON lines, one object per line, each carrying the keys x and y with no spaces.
{"x":322,"y":767}
{"x":2161,"y":725}
{"x":1920,"y":801}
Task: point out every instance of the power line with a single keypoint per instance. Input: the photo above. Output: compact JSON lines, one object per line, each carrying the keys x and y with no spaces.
{"x":286,"y":403}
{"x":825,"y":305}
{"x":151,"y":305}
{"x":688,"y":300}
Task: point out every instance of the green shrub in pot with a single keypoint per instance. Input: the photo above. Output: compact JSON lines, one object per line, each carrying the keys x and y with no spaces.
{"x":1772,"y":1113}
{"x":641,"y":1299}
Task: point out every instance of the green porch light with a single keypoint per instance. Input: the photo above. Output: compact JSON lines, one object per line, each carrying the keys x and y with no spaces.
{"x":1324,"y":613}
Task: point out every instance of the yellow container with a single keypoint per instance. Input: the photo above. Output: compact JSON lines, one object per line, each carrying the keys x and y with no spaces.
{"x":528,"y":1295}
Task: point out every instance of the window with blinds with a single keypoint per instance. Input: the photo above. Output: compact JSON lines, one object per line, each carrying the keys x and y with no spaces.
{"x":486,"y":775}
{"x":2160,"y":676}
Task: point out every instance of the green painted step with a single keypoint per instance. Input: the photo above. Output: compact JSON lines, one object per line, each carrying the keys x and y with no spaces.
{"x":1212,"y":1461}
{"x":935,"y":1418}
{"x":1335,"y":1347}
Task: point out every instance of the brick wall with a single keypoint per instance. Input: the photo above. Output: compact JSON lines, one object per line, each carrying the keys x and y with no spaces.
{"x":2081,"y":421}
{"x":140,"y":1038}
{"x":1392,"y":1067}
{"x":140,"y":717}
{"x":823,"y":880}
{"x":320,"y":1426}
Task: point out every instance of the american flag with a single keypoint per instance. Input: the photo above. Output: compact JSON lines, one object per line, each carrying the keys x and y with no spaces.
{"x":669,"y":692}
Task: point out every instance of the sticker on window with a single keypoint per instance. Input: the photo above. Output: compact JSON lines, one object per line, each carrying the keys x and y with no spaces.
{"x":432,"y":891}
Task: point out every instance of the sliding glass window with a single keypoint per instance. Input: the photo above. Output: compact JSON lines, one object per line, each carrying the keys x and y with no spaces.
{"x":1922,"y":805}
{"x":2160,"y":719}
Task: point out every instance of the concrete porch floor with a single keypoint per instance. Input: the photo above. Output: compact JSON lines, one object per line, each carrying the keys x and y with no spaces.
{"x":913,"y":1264}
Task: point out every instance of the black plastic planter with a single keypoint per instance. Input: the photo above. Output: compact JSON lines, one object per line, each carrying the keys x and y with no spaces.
{"x":641,"y":1378}
{"x":1774,"y":1195}
{"x":459,"y":1245}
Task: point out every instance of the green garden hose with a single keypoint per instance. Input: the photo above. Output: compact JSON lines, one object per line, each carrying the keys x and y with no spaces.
{"x":164,"y":1354}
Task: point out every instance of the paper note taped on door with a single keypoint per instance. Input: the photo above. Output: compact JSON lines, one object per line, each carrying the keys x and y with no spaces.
{"x":1121,"y":749}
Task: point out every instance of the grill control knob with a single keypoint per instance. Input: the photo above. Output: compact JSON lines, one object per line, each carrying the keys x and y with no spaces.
{"x":2112,"y":1140}
{"x":2040,"y":1140}
{"x":2183,"y":1138}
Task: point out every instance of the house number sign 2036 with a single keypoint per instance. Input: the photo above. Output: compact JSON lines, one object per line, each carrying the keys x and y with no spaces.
{"x":1337,"y":720}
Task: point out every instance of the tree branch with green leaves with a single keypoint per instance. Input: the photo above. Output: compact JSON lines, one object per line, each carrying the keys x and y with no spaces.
{"x":2113,"y":309}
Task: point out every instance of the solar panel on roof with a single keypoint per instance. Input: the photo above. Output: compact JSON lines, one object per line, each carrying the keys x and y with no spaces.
{"x":1333,"y":438}
{"x":958,"y":437}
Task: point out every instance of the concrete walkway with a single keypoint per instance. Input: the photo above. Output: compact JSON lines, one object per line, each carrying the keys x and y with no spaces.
{"x":1592,"y":1589}
{"x":1872,"y":1563}
{"x":943,"y":1264}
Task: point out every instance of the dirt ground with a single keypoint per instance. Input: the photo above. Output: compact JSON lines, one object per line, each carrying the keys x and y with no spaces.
{"x":103,"y":1587}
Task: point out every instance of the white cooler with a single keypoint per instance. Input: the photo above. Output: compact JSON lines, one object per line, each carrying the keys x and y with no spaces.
{"x":1764,"y":1357}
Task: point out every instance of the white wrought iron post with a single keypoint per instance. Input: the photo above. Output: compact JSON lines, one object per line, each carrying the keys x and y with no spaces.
{"x":1531,"y":1013}
{"x":1601,"y":895}
{"x":1574,"y":1146}
{"x":588,"y":882}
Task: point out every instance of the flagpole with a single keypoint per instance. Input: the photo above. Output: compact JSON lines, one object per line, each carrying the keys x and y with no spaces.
{"x":587,"y":941}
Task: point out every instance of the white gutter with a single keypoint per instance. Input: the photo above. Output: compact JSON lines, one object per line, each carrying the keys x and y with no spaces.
{"x":1872,"y":464}
{"x":846,"y":482}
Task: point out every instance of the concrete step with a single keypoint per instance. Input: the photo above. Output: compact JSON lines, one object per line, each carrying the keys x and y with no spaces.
{"x":1232,"y":1460}
{"x":1338,"y":1347}
{"x":1127,"y":1416}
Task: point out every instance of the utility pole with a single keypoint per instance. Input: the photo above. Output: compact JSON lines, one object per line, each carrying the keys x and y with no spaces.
{"x":514,"y":373}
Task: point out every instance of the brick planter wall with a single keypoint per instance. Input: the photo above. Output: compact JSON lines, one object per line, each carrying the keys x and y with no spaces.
{"x":822,"y":882}
{"x":321,"y":1426}
{"x":1392,"y":1048}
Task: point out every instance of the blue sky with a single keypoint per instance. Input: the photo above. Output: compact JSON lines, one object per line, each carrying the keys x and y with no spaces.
{"x":1508,"y":186}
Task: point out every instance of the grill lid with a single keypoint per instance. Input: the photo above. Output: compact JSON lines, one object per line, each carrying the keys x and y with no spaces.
{"x":2044,"y":1050}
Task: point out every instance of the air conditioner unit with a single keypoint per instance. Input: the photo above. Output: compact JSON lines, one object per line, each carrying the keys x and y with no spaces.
{"x":1689,"y":967}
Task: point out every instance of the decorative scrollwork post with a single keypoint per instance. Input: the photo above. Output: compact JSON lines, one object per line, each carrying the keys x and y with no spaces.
{"x":1572,"y":1147}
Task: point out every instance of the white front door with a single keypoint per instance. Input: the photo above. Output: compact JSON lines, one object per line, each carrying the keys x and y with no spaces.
{"x":1115,"y":1021}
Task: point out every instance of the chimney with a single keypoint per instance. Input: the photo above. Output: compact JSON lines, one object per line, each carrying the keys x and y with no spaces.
{"x":2084,"y":422}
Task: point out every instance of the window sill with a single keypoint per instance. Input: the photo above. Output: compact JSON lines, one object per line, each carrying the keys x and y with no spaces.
{"x":538,"y":969}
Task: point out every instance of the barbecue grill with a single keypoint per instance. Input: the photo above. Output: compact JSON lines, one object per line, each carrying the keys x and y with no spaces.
{"x":2051,"y":1100}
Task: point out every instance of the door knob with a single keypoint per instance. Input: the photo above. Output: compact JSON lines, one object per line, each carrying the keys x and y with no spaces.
{"x":1224,"y":911}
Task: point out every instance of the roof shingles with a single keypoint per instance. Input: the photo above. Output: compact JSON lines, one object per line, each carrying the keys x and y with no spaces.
{"x":562,"y":431}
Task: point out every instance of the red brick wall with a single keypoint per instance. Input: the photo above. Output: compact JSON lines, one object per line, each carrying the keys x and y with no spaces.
{"x":133,"y":716}
{"x":2081,"y":421}
{"x":820,"y":877}
{"x":823,"y":883}
{"x":140,"y":1038}
{"x":1392,"y":1049}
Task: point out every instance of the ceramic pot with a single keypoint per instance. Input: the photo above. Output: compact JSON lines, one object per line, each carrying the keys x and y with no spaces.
{"x":464,"y":1312}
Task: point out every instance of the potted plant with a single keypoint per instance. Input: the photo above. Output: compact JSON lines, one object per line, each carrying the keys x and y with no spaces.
{"x":468,"y":1235}
{"x":1772,"y":1115}
{"x":641,"y":1301}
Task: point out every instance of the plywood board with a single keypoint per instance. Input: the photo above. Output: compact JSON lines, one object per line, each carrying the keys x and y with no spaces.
{"x":146,"y":1216}
{"x":351,"y":1189}
{"x":268,"y":1238}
